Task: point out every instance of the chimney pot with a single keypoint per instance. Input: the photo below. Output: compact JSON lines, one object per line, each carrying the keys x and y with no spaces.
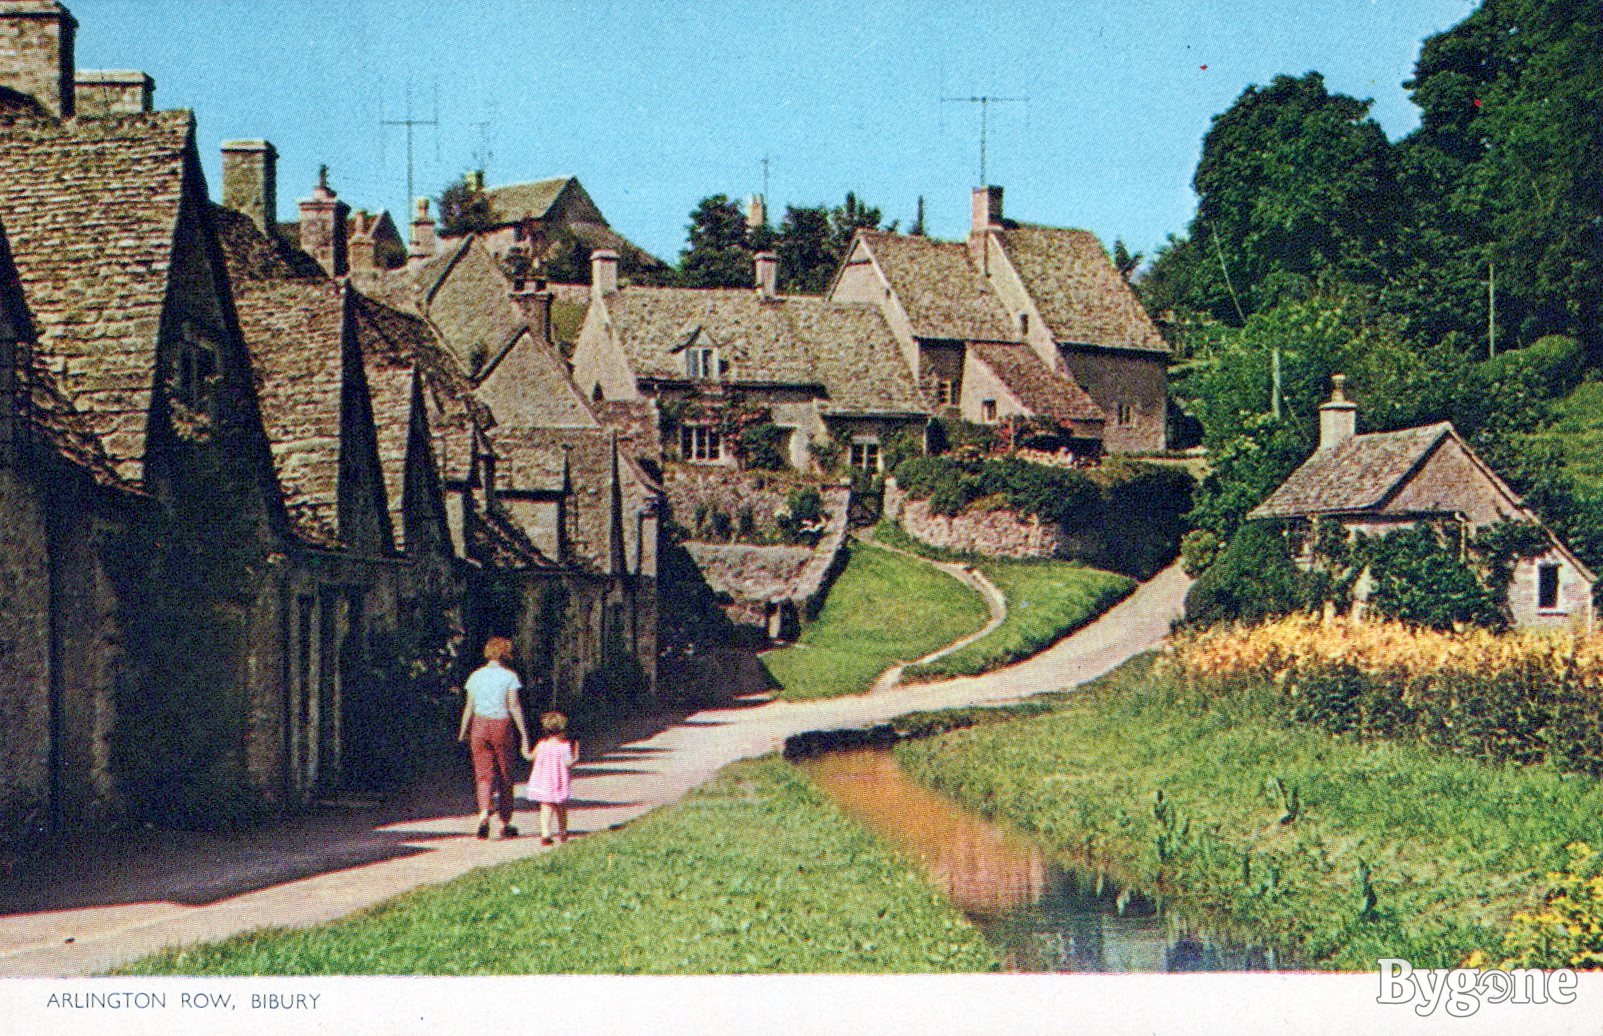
{"x":535,"y":304}
{"x":767,"y":274}
{"x":250,"y":181}
{"x":757,"y":212}
{"x":422,"y":243}
{"x":603,"y":271}
{"x":1338,"y":419}
{"x":323,"y":233}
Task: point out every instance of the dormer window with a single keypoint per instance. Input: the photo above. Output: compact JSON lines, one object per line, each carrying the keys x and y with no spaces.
{"x":988,"y":411}
{"x":1024,"y":323}
{"x":701,"y":363}
{"x":945,"y":392}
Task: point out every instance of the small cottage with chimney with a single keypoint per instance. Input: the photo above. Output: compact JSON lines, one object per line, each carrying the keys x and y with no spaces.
{"x":1378,"y":482}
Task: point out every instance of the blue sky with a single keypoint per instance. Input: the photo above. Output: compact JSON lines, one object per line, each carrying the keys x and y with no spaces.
{"x":656,"y":105}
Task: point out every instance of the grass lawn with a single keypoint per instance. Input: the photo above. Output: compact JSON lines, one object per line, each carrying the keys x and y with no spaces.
{"x":755,"y":872}
{"x":1270,"y":829}
{"x":884,"y":609}
{"x":1046,"y":601}
{"x":1577,"y":430}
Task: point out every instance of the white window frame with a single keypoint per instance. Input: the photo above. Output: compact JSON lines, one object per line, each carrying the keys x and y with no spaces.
{"x":701,"y":363}
{"x":1124,"y":415}
{"x":988,"y":414}
{"x":1558,"y":586}
{"x":945,"y":392}
{"x":865,"y":450}
{"x":701,"y":444}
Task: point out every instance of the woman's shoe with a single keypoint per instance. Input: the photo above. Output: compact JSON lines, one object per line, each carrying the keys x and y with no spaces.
{"x":545,"y":839}
{"x":509,"y":832}
{"x":484,"y":829}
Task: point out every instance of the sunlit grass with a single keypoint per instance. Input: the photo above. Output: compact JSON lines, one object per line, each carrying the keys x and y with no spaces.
{"x":884,"y":609}
{"x":755,"y":872}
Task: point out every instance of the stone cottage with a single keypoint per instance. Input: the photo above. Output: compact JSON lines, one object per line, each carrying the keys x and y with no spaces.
{"x":118,"y":261}
{"x":1378,"y":482}
{"x":1018,"y":321}
{"x":825,"y":372}
{"x":545,"y":221}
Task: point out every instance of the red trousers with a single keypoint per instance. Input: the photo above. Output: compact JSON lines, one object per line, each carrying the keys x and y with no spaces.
{"x":490,"y":742}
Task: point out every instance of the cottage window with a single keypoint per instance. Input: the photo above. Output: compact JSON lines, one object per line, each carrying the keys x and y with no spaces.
{"x":945,"y":392}
{"x":1024,"y":323}
{"x":988,"y":411}
{"x":865,"y":455}
{"x":1547,"y":587}
{"x":1125,"y":415}
{"x":700,"y":443}
{"x":197,"y":369}
{"x":701,"y":364}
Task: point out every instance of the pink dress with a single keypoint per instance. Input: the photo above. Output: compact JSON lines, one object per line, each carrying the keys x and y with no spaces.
{"x":548,"y":780}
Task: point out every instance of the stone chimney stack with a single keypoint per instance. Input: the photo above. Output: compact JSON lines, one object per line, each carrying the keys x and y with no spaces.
{"x":986,"y":209}
{"x":361,"y":247}
{"x":1338,"y":419}
{"x":756,"y":212}
{"x":423,"y":240}
{"x":114,"y":92}
{"x":323,"y":218}
{"x":535,"y":303}
{"x":603,"y":272}
{"x":250,"y":181}
{"x":767,"y":274}
{"x":36,"y":53}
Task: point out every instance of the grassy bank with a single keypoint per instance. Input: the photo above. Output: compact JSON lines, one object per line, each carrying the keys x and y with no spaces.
{"x":883,"y":609}
{"x":756,"y":872}
{"x":1335,"y":850}
{"x":1046,"y":601}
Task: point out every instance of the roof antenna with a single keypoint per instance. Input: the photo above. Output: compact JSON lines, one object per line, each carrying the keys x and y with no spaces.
{"x":411,"y":123}
{"x":984,"y":101}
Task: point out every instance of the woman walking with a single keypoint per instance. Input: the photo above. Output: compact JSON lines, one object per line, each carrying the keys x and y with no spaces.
{"x":490,"y":709}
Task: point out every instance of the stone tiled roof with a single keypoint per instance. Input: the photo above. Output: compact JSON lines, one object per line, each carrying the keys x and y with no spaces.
{"x":464,"y":295}
{"x":1050,"y":392}
{"x":63,"y":430}
{"x":496,"y":540}
{"x":92,"y":207}
{"x":1357,"y":474}
{"x":637,"y":423}
{"x":846,"y":348}
{"x":1078,"y":291}
{"x":519,"y":201}
{"x":295,"y":333}
{"x":253,"y":256}
{"x":944,"y":296}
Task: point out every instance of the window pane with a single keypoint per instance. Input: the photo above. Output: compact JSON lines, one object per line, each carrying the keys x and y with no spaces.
{"x":1547,"y":586}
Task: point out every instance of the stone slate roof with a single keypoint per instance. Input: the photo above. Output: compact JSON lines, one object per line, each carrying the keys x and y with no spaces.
{"x":944,"y":296}
{"x":519,"y":201}
{"x":253,"y":256}
{"x":1078,"y":291}
{"x":495,"y":539}
{"x":1357,"y":474}
{"x":92,"y":208}
{"x":637,"y":423}
{"x":1050,"y":392}
{"x":63,"y":430}
{"x":846,"y":348}
{"x":464,"y":295}
{"x":295,"y":333}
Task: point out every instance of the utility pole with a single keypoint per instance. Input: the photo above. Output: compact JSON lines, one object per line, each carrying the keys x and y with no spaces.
{"x":766,"y":161}
{"x":984,"y":101}
{"x":1275,"y":391}
{"x":411,"y":123}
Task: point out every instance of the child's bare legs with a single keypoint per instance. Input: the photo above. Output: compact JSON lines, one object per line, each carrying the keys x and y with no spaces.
{"x":546,"y":811}
{"x":562,"y":821}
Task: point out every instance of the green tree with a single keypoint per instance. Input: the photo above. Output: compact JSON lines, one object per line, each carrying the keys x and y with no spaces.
{"x":464,"y":207}
{"x":1294,"y":183}
{"x":719,"y":254}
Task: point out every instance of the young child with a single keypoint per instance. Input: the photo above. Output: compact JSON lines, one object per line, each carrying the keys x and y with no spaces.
{"x":549,"y":780}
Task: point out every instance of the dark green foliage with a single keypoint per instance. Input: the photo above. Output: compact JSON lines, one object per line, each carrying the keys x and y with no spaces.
{"x":718,"y":255}
{"x":1420,"y":578}
{"x":1254,"y":579}
{"x":762,"y":446}
{"x":964,"y":438}
{"x":1128,"y":517}
{"x":803,"y":517}
{"x":464,"y":207}
{"x":805,"y":260}
{"x":399,"y":695}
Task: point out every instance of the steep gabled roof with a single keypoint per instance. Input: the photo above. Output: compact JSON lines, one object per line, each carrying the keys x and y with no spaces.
{"x":464,"y":295}
{"x":92,"y":207}
{"x":519,"y":201}
{"x":1078,"y":291}
{"x":944,"y":296}
{"x":253,"y":256}
{"x":1357,"y":474}
{"x":1050,"y":392}
{"x":845,"y":348}
{"x":295,"y":331}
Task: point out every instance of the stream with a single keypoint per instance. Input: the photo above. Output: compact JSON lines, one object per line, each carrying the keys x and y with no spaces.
{"x":1042,"y":915}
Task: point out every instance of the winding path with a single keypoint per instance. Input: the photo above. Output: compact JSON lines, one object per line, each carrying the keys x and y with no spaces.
{"x":103,"y":905}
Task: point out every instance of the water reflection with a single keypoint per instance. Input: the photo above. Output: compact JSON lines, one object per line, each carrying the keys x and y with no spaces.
{"x":1042,"y":916}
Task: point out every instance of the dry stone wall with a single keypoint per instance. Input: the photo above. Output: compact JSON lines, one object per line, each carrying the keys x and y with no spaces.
{"x":994,"y":533}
